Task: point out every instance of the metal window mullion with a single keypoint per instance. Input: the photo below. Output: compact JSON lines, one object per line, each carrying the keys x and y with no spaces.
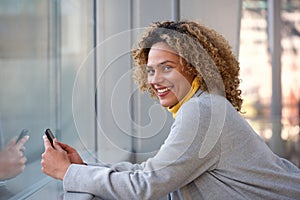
{"x":274,"y":35}
{"x":175,"y":10}
{"x":54,"y":65}
{"x":95,"y":41}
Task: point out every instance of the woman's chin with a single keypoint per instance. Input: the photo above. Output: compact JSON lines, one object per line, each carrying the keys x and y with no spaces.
{"x":166,"y":104}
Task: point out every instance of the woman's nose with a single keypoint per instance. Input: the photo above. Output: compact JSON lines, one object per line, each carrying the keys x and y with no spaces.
{"x":155,"y":78}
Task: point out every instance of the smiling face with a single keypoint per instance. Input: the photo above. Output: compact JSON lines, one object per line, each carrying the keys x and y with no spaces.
{"x":166,"y":75}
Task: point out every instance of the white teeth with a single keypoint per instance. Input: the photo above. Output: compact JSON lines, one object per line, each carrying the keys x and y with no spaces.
{"x":162,"y":90}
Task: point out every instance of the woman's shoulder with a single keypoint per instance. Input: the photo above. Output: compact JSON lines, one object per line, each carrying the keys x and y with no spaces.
{"x":207,"y":108}
{"x":207,"y":100}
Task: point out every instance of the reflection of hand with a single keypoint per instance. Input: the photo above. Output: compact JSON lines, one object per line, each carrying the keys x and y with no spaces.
{"x":55,"y":161}
{"x":12,"y":160}
{"x":73,"y":155}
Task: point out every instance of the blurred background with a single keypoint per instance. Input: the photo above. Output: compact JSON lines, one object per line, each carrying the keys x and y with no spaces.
{"x":66,"y":65}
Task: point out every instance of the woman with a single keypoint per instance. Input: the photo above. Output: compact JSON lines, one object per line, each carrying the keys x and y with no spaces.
{"x":211,"y":151}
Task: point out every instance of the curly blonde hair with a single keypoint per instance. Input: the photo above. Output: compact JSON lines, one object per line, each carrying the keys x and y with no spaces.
{"x":203,"y":52}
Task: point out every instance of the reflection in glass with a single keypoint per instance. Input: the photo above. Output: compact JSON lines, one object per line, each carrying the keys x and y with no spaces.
{"x":24,"y":80}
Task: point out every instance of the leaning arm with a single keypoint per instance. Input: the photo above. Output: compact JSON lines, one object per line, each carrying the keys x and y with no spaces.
{"x":176,"y":164}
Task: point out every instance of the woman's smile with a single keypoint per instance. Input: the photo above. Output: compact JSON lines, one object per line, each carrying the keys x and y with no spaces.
{"x":162,"y":91}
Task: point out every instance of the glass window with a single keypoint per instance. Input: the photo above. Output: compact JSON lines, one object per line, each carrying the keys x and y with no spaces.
{"x":25,"y":80}
{"x":42,"y":45}
{"x":256,"y":72}
{"x":290,"y":42}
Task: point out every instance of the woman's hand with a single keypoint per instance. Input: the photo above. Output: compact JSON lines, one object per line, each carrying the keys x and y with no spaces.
{"x":73,"y":155}
{"x":12,"y":160}
{"x":55,"y":161}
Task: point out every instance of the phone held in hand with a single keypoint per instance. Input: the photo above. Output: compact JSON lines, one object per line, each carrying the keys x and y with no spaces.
{"x":23,"y":133}
{"x":50,"y":136}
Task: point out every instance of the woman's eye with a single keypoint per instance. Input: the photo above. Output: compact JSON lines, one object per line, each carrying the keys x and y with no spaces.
{"x":167,"y":68}
{"x":150,"y":71}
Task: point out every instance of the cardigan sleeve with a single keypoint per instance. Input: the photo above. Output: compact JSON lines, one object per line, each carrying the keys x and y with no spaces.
{"x":176,"y":164}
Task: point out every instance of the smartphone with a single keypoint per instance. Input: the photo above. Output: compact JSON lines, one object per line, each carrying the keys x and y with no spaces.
{"x":50,"y":136}
{"x":22,"y":134}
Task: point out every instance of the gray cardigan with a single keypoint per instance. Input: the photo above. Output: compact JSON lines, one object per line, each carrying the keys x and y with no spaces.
{"x":210,"y":153}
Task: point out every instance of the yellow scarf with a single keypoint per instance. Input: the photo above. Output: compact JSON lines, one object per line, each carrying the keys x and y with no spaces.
{"x":193,"y":90}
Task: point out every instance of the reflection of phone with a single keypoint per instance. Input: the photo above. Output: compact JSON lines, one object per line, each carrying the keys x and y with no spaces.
{"x":22,"y":134}
{"x":50,"y":136}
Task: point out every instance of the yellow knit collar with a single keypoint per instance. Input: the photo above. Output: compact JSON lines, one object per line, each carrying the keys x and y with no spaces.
{"x":195,"y":86}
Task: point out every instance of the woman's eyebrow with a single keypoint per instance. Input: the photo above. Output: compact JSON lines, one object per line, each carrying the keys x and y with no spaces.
{"x":162,"y":63}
